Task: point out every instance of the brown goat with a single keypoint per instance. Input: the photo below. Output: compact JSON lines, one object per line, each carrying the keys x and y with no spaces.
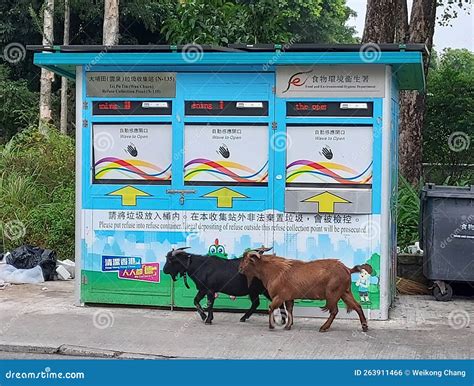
{"x":286,"y":280}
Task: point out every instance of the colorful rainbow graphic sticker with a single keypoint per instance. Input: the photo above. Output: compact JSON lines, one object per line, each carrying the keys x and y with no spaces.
{"x":131,"y":169}
{"x":224,"y":170}
{"x":327,"y":172}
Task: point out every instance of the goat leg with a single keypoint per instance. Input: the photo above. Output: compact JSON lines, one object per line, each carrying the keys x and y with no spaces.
{"x":276,"y":302}
{"x":255,"y":303}
{"x":201,"y":293}
{"x":289,"y":310}
{"x":352,"y":304}
{"x":210,"y":304}
{"x":333,"y":310}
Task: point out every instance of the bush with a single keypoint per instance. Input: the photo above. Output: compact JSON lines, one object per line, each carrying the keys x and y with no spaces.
{"x":408,"y":213}
{"x":18,"y":105}
{"x":37,"y":191}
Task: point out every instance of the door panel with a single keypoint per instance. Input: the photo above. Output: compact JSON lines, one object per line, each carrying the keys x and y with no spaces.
{"x":224,"y":188}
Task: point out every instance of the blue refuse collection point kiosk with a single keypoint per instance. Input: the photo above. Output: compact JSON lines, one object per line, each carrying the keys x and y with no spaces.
{"x":227,"y":148}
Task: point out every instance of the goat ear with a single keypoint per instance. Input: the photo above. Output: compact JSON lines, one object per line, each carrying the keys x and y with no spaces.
{"x":254,"y":256}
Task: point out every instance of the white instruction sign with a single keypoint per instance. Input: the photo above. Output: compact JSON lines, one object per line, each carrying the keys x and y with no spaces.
{"x":132,"y":152}
{"x":226,"y":153}
{"x":329,"y":154}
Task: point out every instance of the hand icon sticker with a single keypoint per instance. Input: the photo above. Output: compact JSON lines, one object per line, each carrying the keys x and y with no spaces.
{"x":223,"y":151}
{"x":327,"y":152}
{"x":132,"y":150}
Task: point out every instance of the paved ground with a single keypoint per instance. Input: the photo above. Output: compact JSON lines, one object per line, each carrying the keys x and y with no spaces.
{"x":42,"y":320}
{"x":28,"y":355}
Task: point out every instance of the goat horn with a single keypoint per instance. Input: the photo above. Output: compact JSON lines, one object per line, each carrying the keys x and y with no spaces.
{"x":177,"y":250}
{"x":262,"y":249}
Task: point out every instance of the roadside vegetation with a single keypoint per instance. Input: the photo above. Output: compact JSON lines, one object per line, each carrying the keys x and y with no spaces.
{"x":37,"y":191}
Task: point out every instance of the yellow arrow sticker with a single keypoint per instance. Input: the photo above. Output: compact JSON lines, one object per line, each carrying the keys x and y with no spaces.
{"x":129,"y":195}
{"x":326,"y":201}
{"x":225,"y":197}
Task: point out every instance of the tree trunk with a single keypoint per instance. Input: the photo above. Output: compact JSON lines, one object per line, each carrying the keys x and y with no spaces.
{"x":401,"y":22}
{"x":47,"y":77}
{"x":63,"y":120}
{"x":111,"y":23}
{"x":412,"y":103}
{"x":379,"y":21}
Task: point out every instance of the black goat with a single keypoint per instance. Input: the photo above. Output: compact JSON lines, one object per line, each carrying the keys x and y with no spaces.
{"x":213,"y":274}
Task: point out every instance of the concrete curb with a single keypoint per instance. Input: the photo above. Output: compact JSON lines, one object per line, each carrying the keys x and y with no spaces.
{"x":28,"y":349}
{"x":80,"y":351}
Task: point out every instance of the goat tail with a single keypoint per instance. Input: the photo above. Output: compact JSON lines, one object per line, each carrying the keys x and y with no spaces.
{"x":355,"y":269}
{"x":359,"y":268}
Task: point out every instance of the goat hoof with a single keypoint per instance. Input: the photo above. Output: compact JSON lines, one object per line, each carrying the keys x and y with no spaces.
{"x":243,"y":319}
{"x":208,"y":322}
{"x":365,"y":328}
{"x":288,"y":328}
{"x":323,"y":330}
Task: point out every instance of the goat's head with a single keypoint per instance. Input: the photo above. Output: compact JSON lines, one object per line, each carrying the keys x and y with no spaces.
{"x":177,"y":261}
{"x":250,"y":258}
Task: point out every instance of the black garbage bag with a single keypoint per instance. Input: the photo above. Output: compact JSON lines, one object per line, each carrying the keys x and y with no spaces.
{"x":27,"y":257}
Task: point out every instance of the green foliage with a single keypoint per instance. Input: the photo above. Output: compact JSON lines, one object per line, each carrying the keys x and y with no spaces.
{"x":37,"y":190}
{"x":258,"y":21}
{"x":207,"y":22}
{"x":18,"y":105}
{"x":448,"y":136}
{"x":408,"y":213}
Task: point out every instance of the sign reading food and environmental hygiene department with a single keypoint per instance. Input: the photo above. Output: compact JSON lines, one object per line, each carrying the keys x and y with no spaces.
{"x":132,"y":152}
{"x":226,"y":153}
{"x":131,"y":84}
{"x":330,"y":81}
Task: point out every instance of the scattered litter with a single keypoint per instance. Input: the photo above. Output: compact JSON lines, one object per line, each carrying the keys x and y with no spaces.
{"x":63,"y":273}
{"x":44,"y":289}
{"x":69,"y":265}
{"x":27,"y":257}
{"x":4,"y":285}
{"x":3,"y":257}
{"x":11,"y":274}
{"x":415,"y":249}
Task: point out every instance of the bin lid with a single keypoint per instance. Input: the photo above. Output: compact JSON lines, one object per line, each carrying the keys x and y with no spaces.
{"x":443,"y":191}
{"x":405,"y":59}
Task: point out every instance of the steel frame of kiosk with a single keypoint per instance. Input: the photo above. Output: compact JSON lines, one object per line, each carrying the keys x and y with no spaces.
{"x":230,"y":148}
